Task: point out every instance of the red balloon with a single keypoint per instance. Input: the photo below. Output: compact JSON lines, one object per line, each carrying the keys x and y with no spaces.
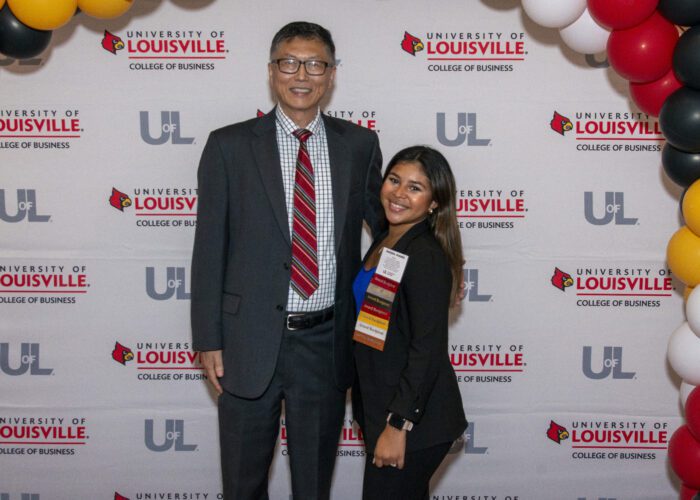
{"x":621,"y":14}
{"x":643,"y":53}
{"x":687,"y":493}
{"x":684,"y":456}
{"x":692,"y":413}
{"x":649,"y":97}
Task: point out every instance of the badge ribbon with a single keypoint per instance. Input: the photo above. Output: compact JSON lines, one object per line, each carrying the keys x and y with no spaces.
{"x":373,"y":321}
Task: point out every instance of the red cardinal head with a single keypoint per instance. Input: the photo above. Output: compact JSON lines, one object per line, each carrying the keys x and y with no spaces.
{"x":411,"y":44}
{"x":119,"y":200}
{"x":122,"y":354}
{"x":561,"y":280}
{"x":560,"y":123}
{"x":112,"y":43}
{"x":556,"y":432}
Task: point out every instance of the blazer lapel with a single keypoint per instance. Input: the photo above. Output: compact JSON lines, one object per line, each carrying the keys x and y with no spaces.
{"x":267,"y":159}
{"x":339,"y":156}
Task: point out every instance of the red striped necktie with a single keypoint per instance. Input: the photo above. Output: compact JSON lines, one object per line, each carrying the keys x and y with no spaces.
{"x":304,"y":276}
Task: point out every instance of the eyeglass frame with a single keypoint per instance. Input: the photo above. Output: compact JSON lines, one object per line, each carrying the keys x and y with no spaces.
{"x":299,"y":64}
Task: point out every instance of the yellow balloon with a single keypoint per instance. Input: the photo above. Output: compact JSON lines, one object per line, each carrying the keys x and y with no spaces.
{"x":44,"y":15}
{"x":104,"y":9}
{"x":683,"y":256}
{"x":691,"y":207}
{"x":688,"y":290}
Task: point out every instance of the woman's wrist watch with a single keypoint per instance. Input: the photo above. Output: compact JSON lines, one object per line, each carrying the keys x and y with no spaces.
{"x":398,"y":422}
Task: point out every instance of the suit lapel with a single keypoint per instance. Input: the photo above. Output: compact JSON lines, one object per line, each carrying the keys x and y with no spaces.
{"x":267,"y":159}
{"x":341,"y":168}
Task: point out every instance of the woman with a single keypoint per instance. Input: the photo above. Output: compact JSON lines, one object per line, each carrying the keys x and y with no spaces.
{"x":406,"y":398}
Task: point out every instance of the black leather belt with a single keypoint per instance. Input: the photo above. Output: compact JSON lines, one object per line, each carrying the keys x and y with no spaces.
{"x":301,"y":321}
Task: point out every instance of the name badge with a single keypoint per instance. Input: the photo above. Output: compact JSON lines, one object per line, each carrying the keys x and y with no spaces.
{"x":373,"y":321}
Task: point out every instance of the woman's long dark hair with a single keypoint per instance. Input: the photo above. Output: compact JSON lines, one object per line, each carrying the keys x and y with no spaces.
{"x":443,"y":220}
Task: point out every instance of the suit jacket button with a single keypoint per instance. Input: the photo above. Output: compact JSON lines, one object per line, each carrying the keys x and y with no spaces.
{"x":286,"y":266}
{"x":279,"y":308}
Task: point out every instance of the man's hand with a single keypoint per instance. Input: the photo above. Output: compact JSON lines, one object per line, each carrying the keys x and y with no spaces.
{"x":391,"y":448}
{"x":213,"y":364}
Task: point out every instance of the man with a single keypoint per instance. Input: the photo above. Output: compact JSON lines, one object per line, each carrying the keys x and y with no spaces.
{"x":276,"y":249}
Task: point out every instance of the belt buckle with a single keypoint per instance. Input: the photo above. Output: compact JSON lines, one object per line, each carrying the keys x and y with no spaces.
{"x":293,"y":315}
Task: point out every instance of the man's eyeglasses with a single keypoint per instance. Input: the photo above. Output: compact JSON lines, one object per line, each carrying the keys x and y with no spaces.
{"x":291,"y":66}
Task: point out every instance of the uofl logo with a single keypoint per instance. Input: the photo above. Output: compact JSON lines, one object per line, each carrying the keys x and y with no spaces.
{"x":471,"y":286}
{"x":560,"y":124}
{"x":117,"y":496}
{"x":169,"y":129}
{"x":614,"y":209}
{"x":29,"y":361}
{"x":561,"y":280}
{"x":119,"y":200}
{"x":112,"y":43}
{"x":26,"y":207}
{"x":411,"y":44}
{"x":122,"y":354}
{"x":611,"y":366}
{"x":556,"y":432}
{"x":175,"y":285}
{"x":174,"y":437}
{"x":466,"y":131}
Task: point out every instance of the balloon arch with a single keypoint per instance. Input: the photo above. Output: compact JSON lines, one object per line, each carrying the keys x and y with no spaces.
{"x":654,"y":44}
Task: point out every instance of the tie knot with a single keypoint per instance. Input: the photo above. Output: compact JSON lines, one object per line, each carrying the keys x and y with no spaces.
{"x":302,"y":134}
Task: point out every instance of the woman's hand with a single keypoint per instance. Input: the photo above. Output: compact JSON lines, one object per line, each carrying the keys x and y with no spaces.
{"x":391,"y":448}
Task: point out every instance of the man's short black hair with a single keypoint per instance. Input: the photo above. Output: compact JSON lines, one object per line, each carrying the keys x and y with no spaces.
{"x":308,"y":31}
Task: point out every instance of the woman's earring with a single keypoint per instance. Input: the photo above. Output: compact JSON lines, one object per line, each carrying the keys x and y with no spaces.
{"x":430,"y":211}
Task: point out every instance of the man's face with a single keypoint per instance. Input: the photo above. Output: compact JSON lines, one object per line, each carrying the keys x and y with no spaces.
{"x":299,"y":94}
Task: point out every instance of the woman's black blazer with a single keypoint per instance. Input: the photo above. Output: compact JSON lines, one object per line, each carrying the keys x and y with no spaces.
{"x":413,"y":376}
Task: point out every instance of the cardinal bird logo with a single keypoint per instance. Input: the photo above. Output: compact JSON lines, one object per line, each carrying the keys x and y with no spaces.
{"x":122,"y":354}
{"x":117,"y":496}
{"x":411,"y":44}
{"x":560,"y":123}
{"x":561,"y":280}
{"x":556,"y":432}
{"x":112,"y":43}
{"x":119,"y":200}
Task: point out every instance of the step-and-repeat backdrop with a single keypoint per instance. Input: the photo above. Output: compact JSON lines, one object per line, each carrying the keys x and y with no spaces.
{"x":559,"y":345}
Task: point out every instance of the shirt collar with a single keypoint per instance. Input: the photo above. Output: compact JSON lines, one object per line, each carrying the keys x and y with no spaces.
{"x":288,"y":126}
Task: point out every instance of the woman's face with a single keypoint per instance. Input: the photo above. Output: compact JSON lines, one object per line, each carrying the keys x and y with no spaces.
{"x":406,"y":195}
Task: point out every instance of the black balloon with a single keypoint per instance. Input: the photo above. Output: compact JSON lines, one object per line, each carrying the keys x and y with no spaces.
{"x":686,"y":58}
{"x":19,"y":40}
{"x":683,"y":12}
{"x":682,"y":168}
{"x":680,"y":119}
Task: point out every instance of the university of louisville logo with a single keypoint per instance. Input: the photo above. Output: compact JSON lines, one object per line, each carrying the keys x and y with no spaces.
{"x":122,"y":354}
{"x":556,"y":432}
{"x":112,"y":43}
{"x":119,"y":200}
{"x":560,"y":123}
{"x":411,"y":44}
{"x":117,"y":496}
{"x":561,"y":280}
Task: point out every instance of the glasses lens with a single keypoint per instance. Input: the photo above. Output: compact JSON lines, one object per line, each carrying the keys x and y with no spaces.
{"x":315,"y":68}
{"x":288,"y":65}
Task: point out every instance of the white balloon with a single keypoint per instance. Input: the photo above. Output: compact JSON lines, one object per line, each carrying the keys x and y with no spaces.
{"x":554,"y":13}
{"x":692,"y":310}
{"x":585,"y":36}
{"x":684,"y":354}
{"x":686,"y":389}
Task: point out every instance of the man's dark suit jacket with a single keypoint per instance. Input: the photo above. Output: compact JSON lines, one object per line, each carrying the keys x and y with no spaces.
{"x":413,"y":376}
{"x":242,"y":250}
